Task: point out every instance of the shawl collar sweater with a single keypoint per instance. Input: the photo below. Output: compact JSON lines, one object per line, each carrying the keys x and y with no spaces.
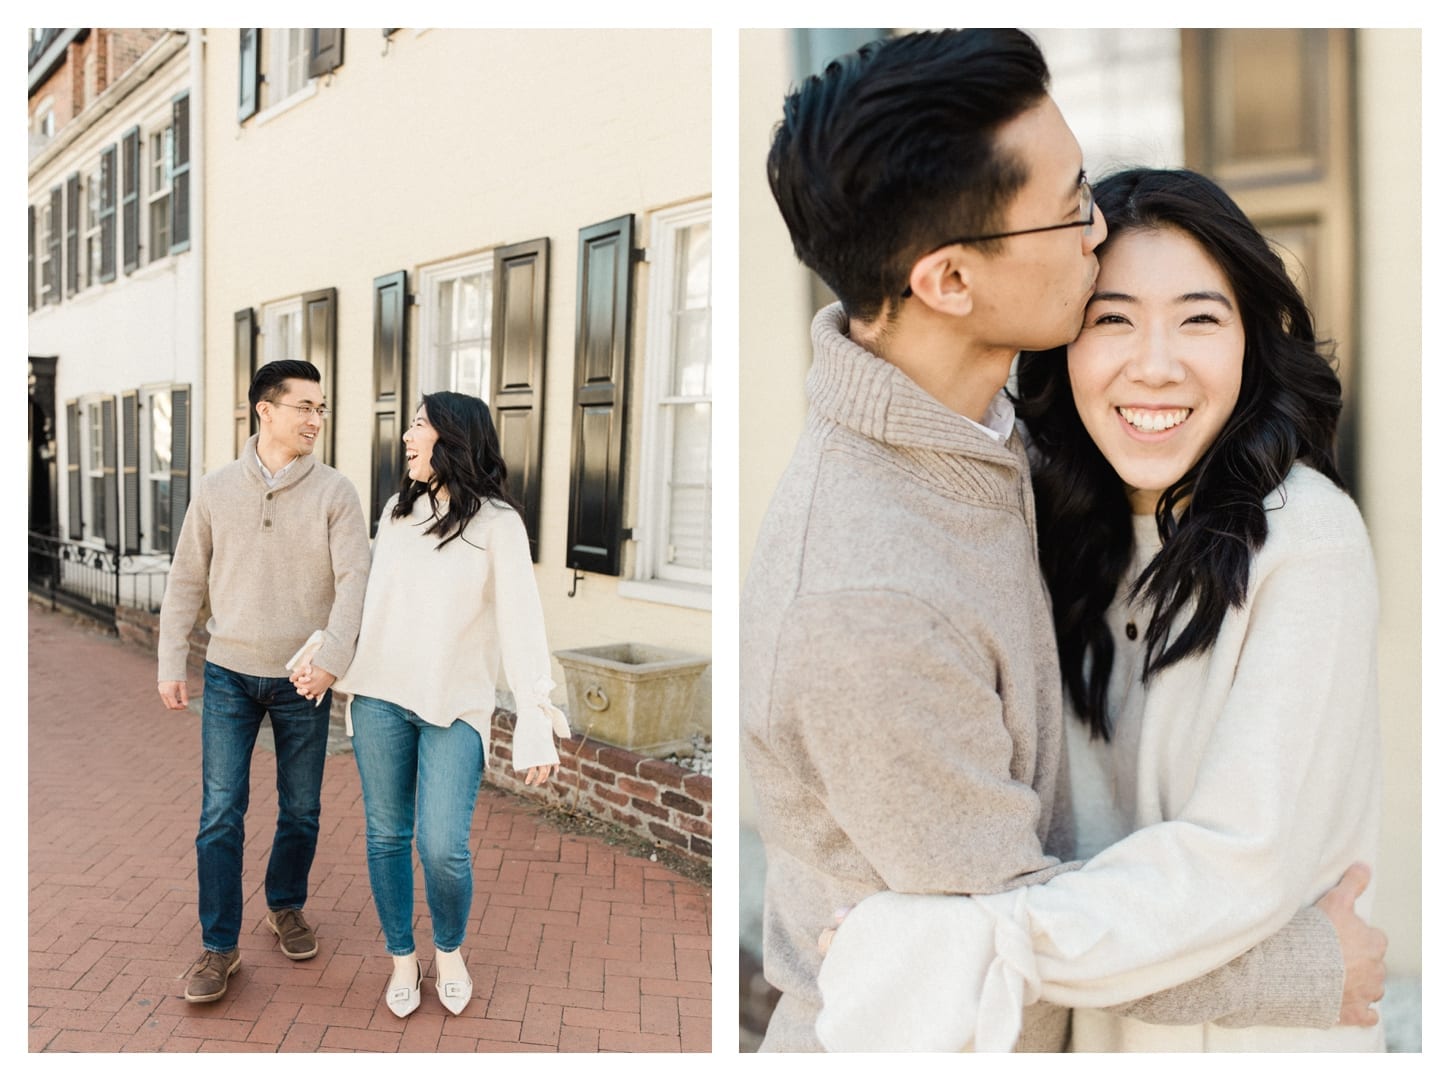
{"x":274,"y":563}
{"x":900,"y":699}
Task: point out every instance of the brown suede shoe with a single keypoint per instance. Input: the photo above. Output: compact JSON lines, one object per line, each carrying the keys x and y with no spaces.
{"x":207,"y":980}
{"x":293,"y":935}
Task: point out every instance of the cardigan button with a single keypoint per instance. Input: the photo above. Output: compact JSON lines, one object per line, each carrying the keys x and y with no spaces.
{"x":1132,"y":631}
{"x":266,"y":521}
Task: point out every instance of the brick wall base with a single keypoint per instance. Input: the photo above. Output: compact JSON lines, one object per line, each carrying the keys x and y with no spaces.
{"x":653,"y":799}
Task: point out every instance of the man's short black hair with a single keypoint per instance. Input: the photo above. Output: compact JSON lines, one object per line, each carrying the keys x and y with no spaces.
{"x":892,"y":148}
{"x":267,"y":384}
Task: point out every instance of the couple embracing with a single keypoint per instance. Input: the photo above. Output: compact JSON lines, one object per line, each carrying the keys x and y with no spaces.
{"x":416,"y":632}
{"x":1059,"y":705}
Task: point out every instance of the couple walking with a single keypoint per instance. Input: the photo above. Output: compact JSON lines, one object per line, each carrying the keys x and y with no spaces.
{"x":276,"y":544}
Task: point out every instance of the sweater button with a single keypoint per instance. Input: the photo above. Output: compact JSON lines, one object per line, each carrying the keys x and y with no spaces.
{"x":267,"y":522}
{"x":1132,"y":631}
{"x":267,"y":496}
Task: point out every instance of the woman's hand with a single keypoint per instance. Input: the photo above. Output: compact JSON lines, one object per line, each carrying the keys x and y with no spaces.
{"x":539,"y":774}
{"x":823,"y":940}
{"x":1363,"y":948}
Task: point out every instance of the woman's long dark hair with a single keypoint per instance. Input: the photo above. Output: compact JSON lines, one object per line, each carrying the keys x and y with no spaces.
{"x":1287,"y":411}
{"x":467,"y":462}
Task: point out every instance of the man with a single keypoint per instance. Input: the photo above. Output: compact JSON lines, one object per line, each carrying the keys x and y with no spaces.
{"x":276,"y":542}
{"x":901,"y":711}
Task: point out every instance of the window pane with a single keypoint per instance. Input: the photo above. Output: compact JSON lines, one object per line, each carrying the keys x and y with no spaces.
{"x":161,"y":433}
{"x":692,"y":312}
{"x":689,"y":488}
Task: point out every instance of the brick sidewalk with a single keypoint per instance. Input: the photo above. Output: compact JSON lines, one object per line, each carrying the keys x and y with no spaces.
{"x":573,"y":945}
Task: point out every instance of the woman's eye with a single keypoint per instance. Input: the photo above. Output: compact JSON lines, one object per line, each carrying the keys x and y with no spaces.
{"x":1107,"y":318}
{"x":1204,"y":317}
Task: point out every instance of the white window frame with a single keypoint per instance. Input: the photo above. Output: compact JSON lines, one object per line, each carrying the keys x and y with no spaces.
{"x":42,"y":125}
{"x":158,"y":189}
{"x":148,"y":396}
{"x":47,"y":266}
{"x":283,"y":88}
{"x":654,"y":578}
{"x":91,"y":228}
{"x":93,"y":464}
{"x":281,"y":331}
{"x":433,"y":372}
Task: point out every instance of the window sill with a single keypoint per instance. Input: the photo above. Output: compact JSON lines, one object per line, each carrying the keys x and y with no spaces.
{"x":679,"y":594}
{"x":286,"y":103}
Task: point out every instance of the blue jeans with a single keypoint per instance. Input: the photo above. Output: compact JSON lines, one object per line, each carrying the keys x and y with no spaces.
{"x":231,"y":714}
{"x":415,"y":771}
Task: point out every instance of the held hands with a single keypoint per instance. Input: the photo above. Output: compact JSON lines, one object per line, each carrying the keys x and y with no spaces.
{"x":312,"y":682}
{"x":1363,"y":948}
{"x":173,"y":693}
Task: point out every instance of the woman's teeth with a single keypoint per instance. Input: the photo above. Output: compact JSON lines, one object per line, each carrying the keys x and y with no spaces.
{"x":1154,"y":420}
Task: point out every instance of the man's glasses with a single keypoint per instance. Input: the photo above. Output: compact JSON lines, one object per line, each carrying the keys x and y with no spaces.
{"x":1086,"y":207}
{"x":319,"y":411}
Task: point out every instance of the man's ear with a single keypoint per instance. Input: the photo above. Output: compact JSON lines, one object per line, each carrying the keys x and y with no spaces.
{"x":941,"y":280}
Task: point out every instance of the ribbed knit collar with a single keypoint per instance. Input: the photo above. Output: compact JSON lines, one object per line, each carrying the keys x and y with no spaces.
{"x":855,"y":388}
{"x":296,"y":470}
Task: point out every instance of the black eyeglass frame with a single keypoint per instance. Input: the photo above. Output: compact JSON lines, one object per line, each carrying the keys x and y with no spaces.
{"x":1092,"y":207}
{"x":321,"y":411}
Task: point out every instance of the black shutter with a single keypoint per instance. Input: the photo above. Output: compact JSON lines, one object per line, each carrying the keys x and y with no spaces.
{"x":250,"y":78}
{"x":390,"y":383}
{"x":319,"y":345}
{"x":73,"y":468}
{"x":601,"y":375}
{"x":324,"y":49}
{"x":244,"y":366}
{"x":131,"y":471}
{"x":516,"y":393}
{"x":111,"y":496}
{"x":72,"y":234}
{"x":57,"y":228}
{"x":180,"y":460}
{"x":30,"y":238}
{"x":108,"y":214}
{"x":180,"y":173}
{"x":131,"y":200}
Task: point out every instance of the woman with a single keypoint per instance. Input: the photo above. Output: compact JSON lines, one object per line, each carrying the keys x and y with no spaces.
{"x":451,"y":599}
{"x":1215,"y":606}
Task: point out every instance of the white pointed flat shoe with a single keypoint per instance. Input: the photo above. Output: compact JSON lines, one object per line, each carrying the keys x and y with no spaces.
{"x":454,"y":994}
{"x":402,"y":999}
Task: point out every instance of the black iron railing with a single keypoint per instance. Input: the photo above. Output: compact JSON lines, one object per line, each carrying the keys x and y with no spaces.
{"x":94,"y":578}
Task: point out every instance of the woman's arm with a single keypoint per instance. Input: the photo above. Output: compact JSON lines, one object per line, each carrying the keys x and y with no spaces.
{"x":1285,"y":778}
{"x":523,"y":644}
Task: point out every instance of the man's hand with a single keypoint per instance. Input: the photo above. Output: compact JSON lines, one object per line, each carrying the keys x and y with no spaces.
{"x":312,"y":682}
{"x":539,"y":774}
{"x":1363,"y":948}
{"x":173,"y":693}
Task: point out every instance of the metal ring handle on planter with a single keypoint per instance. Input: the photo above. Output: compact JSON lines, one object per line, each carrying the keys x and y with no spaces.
{"x":596,"y":699}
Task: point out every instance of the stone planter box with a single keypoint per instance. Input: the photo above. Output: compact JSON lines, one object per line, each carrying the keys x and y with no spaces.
{"x":631,"y":695}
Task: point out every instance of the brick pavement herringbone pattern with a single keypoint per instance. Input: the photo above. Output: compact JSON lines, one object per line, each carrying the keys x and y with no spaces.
{"x":573,"y":945}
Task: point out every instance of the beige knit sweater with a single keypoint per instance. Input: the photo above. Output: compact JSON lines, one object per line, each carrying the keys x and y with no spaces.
{"x":275,"y":564}
{"x":900,"y":704}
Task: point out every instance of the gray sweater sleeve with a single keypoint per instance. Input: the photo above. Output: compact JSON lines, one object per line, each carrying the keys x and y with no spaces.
{"x":1294,"y":978}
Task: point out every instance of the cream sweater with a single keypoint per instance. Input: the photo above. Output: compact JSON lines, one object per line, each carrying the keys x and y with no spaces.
{"x":276,"y":564}
{"x":1251,"y":778}
{"x":439,"y":625}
